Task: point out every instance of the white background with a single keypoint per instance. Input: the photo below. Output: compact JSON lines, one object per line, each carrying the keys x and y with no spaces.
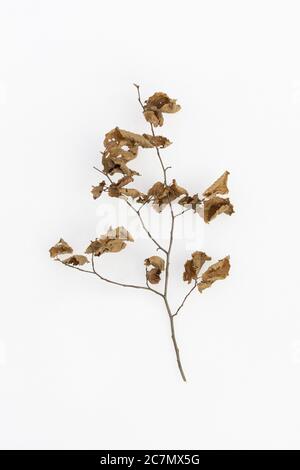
{"x":87,"y":365}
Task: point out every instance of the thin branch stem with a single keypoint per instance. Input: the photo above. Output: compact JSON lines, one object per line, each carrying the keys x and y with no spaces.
{"x":185,"y":298}
{"x":168,"y":253}
{"x":145,"y":228}
{"x":104,"y":174}
{"x":133,"y":286}
{"x":173,"y":336}
{"x":183,"y":212}
{"x":139,"y":95}
{"x":159,"y":157}
{"x":115,"y":282}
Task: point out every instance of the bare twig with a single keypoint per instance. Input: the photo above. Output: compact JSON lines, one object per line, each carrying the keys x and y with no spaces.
{"x":139,"y":95}
{"x":183,"y":212}
{"x":102,"y":277}
{"x":185,"y":298}
{"x":145,"y":228}
{"x":173,"y":336}
{"x":104,"y":174}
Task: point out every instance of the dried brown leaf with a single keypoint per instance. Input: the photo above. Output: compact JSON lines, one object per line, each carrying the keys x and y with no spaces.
{"x":192,"y":201}
{"x":60,"y":248}
{"x":98,"y":190}
{"x":193,"y":266}
{"x":153,"y":275}
{"x":215,"y":206}
{"x":113,"y":242}
{"x":114,"y":190}
{"x":119,"y":137}
{"x":76,"y":260}
{"x":218,"y":187}
{"x":156,"y":262}
{"x":154,"y":116}
{"x":130,"y":192}
{"x":143,"y":199}
{"x":163,"y":194}
{"x":120,"y":148}
{"x":176,"y":190}
{"x":158,"y":104}
{"x":158,"y":140}
{"x":157,"y":189}
{"x":216,"y":272}
{"x":124,"y":181}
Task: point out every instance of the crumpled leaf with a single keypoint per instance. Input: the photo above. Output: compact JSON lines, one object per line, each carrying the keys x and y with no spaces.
{"x":124,"y":181}
{"x":163,"y":194}
{"x":118,"y":190}
{"x":215,"y":272}
{"x":156,"y":262}
{"x":193,"y":266}
{"x":192,"y":201}
{"x":153,"y":275}
{"x":158,"y":140}
{"x":156,"y":190}
{"x":215,"y":206}
{"x":76,"y":260}
{"x":98,"y":190}
{"x":218,"y":187}
{"x":113,"y":242}
{"x":158,"y":104}
{"x":119,"y":137}
{"x":60,"y":248}
{"x":176,"y":190}
{"x":143,"y":199}
{"x":130,"y":192}
{"x":114,"y":189}
{"x":120,"y":148}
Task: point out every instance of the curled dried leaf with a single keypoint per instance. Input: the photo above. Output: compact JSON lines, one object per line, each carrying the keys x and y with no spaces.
{"x":60,"y":248}
{"x":119,"y":137}
{"x":120,"y":148}
{"x":114,"y":246}
{"x":113,"y":242}
{"x":100,"y":246}
{"x":143,"y":199}
{"x":158,"y":104}
{"x":215,"y":272}
{"x":176,"y":190}
{"x":193,"y":201}
{"x":156,"y":262}
{"x":153,"y":275}
{"x":124,"y":181}
{"x":158,"y":140}
{"x":115,"y":189}
{"x":215,"y":206}
{"x":163,"y":194}
{"x":193,"y":266}
{"x":76,"y":260}
{"x":131,"y":192}
{"x":218,"y":187}
{"x":98,"y":190}
{"x":157,"y":189}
